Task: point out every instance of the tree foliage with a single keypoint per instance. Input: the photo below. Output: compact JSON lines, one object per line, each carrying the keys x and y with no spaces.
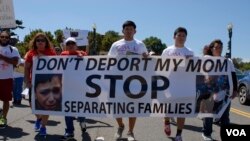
{"x":58,"y":37}
{"x":104,"y":42}
{"x":238,"y":63}
{"x":99,"y":38}
{"x":109,"y":38}
{"x":23,"y":47}
{"x":154,"y":44}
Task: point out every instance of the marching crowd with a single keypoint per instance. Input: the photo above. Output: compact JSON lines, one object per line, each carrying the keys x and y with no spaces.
{"x":46,"y":92}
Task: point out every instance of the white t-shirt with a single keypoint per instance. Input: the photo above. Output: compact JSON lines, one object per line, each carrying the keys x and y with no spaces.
{"x":6,"y":69}
{"x":123,"y":47}
{"x":230,"y":62}
{"x":219,"y":96}
{"x":176,"y":51}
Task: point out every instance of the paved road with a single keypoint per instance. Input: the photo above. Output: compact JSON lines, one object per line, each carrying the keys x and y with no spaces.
{"x":20,"y":121}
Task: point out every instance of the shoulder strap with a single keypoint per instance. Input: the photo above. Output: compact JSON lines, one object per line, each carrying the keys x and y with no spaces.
{"x":11,"y":49}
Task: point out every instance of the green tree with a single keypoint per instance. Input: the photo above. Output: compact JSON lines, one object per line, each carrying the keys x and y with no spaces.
{"x":59,"y":37}
{"x":91,"y":45}
{"x":237,"y":62}
{"x":109,"y":38}
{"x":23,"y":47}
{"x":30,"y":36}
{"x":246,"y":66}
{"x":154,"y":44}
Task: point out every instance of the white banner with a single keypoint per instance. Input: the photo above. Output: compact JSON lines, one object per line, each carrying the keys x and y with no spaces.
{"x":131,"y":86}
{"x":7,"y":16}
{"x":81,"y":36}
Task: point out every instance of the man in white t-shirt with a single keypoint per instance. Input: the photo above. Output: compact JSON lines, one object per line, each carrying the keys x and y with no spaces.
{"x":178,"y":49}
{"x":127,"y":46}
{"x":9,"y":56}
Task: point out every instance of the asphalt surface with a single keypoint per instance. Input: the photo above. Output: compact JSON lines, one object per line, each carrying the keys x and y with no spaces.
{"x":21,"y":123}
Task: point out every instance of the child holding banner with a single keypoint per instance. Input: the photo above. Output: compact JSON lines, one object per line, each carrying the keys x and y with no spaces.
{"x":127,"y":45}
{"x":71,"y":49}
{"x":178,"y":49}
{"x":39,"y":46}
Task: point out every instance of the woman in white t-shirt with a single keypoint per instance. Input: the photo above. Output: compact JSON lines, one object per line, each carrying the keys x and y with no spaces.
{"x":220,"y":93}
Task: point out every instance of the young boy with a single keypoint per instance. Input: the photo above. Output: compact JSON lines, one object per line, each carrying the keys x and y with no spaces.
{"x":178,"y":49}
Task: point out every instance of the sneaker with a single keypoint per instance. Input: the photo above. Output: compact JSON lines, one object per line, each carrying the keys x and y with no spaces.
{"x":83,"y":126}
{"x":131,"y":136}
{"x":167,"y":129}
{"x":19,"y":102}
{"x":118,"y":134}
{"x":16,"y":102}
{"x":3,"y":122}
{"x":67,"y":136}
{"x":216,"y":121}
{"x":42,"y":131}
{"x":37,"y":125}
{"x":178,"y":138}
{"x":99,"y":139}
{"x":172,"y":120}
{"x":206,"y":138}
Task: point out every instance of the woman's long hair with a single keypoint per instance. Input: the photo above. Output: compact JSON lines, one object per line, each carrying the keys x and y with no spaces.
{"x":32,"y":44}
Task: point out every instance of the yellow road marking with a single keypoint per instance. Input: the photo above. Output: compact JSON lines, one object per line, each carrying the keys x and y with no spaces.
{"x":245,"y":114}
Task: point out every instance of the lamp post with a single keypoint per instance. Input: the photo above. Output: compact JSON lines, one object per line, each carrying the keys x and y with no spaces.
{"x":230,"y":33}
{"x":94,"y":50}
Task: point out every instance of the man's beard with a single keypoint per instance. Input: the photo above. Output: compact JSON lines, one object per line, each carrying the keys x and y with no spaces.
{"x":4,"y":44}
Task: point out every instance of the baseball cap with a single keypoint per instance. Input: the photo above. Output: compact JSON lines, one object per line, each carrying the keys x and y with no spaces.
{"x":70,"y":39}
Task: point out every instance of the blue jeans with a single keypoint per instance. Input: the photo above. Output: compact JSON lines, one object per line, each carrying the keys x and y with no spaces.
{"x":208,"y":122}
{"x":207,"y":126}
{"x":70,"y":124}
{"x":18,"y":88}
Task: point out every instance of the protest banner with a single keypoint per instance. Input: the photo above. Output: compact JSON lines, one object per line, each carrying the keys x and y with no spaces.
{"x":81,"y":36}
{"x":125,"y":86}
{"x":7,"y":16}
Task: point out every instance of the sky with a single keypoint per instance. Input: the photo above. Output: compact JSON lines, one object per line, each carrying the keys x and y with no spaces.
{"x":205,"y":20}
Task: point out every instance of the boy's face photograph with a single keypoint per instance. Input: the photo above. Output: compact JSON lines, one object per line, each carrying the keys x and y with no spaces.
{"x":49,"y":94}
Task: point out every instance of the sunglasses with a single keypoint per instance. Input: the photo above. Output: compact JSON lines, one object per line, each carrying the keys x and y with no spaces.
{"x":54,"y":90}
{"x":40,"y":40}
{"x":217,"y":48}
{"x":70,"y":43}
{"x":4,"y":37}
